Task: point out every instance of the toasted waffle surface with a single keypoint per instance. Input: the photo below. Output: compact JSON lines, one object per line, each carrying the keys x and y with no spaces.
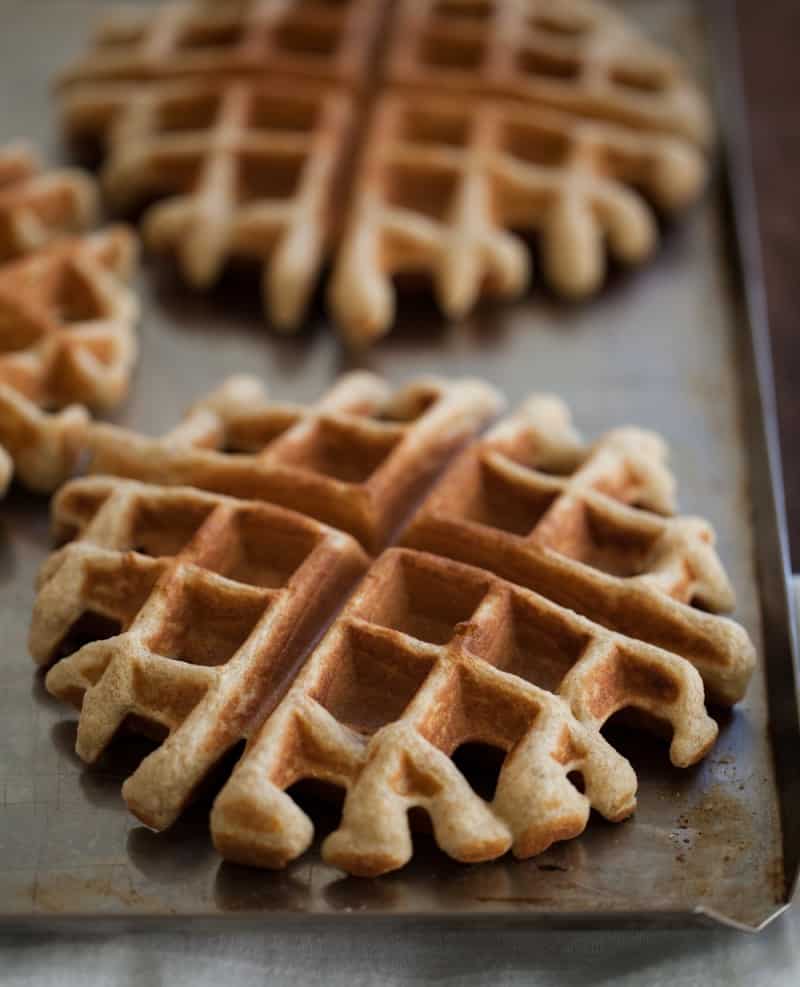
{"x":430,"y":655}
{"x":442,"y":184}
{"x":591,"y":527}
{"x":543,"y":585}
{"x":246,"y":169}
{"x":359,"y":459}
{"x":38,"y":205}
{"x":569,"y":54}
{"x":66,"y":318}
{"x":314,"y":39}
{"x":202,"y":604}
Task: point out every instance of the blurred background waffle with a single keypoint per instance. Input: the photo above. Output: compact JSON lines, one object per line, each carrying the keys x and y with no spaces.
{"x":67,"y":318}
{"x":563,"y":121}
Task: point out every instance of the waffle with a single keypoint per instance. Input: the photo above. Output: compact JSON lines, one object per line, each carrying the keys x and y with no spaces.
{"x":429,"y":655}
{"x":358,"y":460}
{"x":543,"y":586}
{"x":42,"y":447}
{"x":247,"y":169}
{"x":196,"y":607}
{"x":314,"y":40}
{"x":442,"y":184}
{"x":66,"y":318}
{"x":36,"y":205}
{"x":567,"y":54}
{"x":557,"y":116}
{"x":590,"y":527}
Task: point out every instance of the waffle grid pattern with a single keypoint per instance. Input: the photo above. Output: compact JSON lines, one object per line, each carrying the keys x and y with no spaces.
{"x":542,"y":586}
{"x":567,"y":119}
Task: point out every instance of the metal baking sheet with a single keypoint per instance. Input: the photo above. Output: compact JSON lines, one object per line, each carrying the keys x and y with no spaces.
{"x":680,"y":347}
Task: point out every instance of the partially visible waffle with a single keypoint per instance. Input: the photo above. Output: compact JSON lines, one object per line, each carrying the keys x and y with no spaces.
{"x":315,"y":39}
{"x":359,"y":459}
{"x":430,"y":655}
{"x":66,"y":335}
{"x":67,"y":320}
{"x":245,"y":169}
{"x":442,"y":184}
{"x":575,"y":55}
{"x":179,"y":613}
{"x":37,"y":205}
{"x":41,"y":447}
{"x":591,"y":528}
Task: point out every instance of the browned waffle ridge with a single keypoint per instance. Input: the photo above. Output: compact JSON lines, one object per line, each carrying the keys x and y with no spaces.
{"x":430,"y":654}
{"x":572,"y":55}
{"x":457,"y":121}
{"x":206,"y":604}
{"x":245,"y":169}
{"x":441,"y":185}
{"x":329,"y":42}
{"x":359,"y":459}
{"x":589,"y":526}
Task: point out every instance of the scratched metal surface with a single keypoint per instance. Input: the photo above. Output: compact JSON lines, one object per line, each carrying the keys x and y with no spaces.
{"x":661,"y":348}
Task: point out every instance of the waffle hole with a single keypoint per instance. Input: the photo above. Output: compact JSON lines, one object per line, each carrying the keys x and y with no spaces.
{"x":473,"y":10}
{"x":373,"y":682}
{"x":262,"y":554}
{"x":537,"y":145}
{"x":73,"y":299}
{"x":408,"y":405}
{"x":161,"y":530}
{"x":211,"y":35}
{"x":499,"y":503}
{"x":207,"y":624}
{"x":424,"y":127}
{"x":452,"y":53}
{"x":421,"y":191}
{"x":342,"y":452}
{"x":179,"y":115}
{"x":305,"y":38}
{"x":427,"y":605}
{"x":283,"y":114}
{"x":641,"y":79}
{"x":278,"y":178}
{"x":548,"y":64}
{"x":321,"y":801}
{"x":535,"y":645}
{"x":576,"y":779}
{"x":88,"y":628}
{"x":481,"y":765}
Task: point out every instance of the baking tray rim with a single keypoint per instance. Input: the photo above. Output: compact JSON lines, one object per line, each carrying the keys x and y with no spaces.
{"x":777,"y":603}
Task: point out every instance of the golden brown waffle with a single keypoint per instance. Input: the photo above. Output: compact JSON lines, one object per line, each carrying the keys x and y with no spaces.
{"x":589,"y":527}
{"x":40,"y":446}
{"x":442,"y":184}
{"x":196,"y":607}
{"x":66,"y":324}
{"x":429,"y":655}
{"x":569,"y":54}
{"x":36,"y":205}
{"x":247,"y":169}
{"x":67,"y":320}
{"x":315,"y":39}
{"x":359,"y":459}
{"x":546,"y":588}
{"x":560,"y":117}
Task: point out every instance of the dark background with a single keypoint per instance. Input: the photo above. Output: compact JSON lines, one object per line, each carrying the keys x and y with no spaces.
{"x":770,"y":32}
